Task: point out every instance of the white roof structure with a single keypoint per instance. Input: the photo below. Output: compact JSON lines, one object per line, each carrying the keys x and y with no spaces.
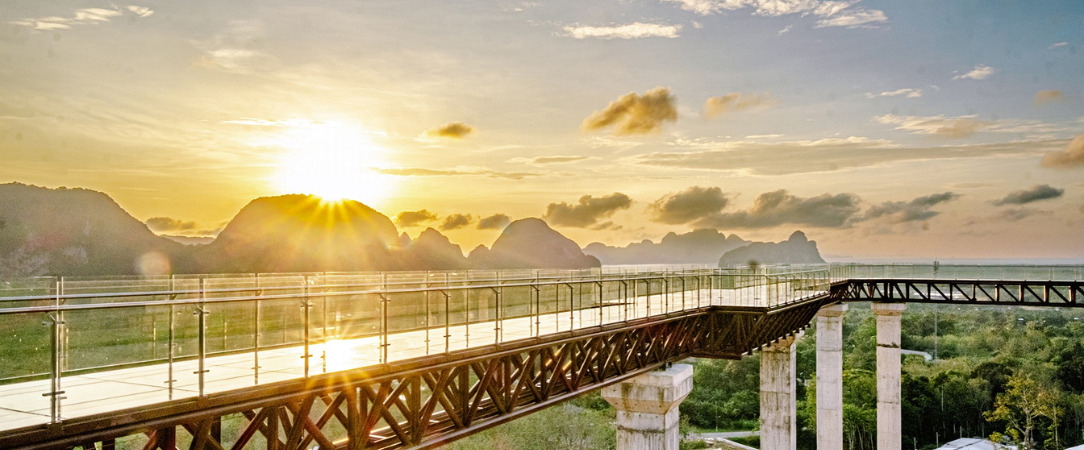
{"x":975,"y":444}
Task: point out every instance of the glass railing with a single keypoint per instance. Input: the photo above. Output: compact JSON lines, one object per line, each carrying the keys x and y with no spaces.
{"x":76,"y":346}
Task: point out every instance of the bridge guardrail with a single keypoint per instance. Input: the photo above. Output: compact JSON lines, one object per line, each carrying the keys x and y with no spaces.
{"x":175,"y":327}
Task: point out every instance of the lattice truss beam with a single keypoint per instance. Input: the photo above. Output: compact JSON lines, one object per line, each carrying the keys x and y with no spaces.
{"x":426,"y":403}
{"x":988,"y":292}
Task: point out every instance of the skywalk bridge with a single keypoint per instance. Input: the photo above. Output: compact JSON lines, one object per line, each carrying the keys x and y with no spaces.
{"x":400,"y":359}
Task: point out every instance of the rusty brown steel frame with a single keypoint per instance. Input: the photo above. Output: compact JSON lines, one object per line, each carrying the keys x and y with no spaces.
{"x":429,"y":401}
{"x":970,"y":292}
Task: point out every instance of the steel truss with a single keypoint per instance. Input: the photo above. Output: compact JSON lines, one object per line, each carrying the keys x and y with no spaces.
{"x":433,"y":400}
{"x":981,"y":292}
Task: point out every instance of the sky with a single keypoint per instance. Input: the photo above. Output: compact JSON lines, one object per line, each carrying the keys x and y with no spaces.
{"x":882,"y":129}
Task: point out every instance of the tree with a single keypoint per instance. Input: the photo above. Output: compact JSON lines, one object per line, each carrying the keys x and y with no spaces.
{"x":1029,"y":396}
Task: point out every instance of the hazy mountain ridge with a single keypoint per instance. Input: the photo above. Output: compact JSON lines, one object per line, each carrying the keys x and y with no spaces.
{"x":702,"y":246}
{"x":83,"y":232}
{"x":796,"y":250}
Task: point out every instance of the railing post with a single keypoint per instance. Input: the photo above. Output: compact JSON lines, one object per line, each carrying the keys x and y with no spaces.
{"x":256,"y":331}
{"x":305,"y":305}
{"x":323,"y":305}
{"x":447,"y":318}
{"x":172,"y":340}
{"x":571,"y":306}
{"x":497,"y":322}
{"x":55,"y":393}
{"x":201,"y":312}
{"x":384,"y":327}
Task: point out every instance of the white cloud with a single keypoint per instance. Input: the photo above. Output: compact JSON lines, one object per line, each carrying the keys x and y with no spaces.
{"x":141,"y":11}
{"x":964,"y":126}
{"x":1058,"y":44}
{"x":84,"y":16}
{"x":628,"y":31}
{"x":832,"y":13}
{"x":785,"y":30}
{"x":906,"y":92}
{"x":860,"y":18}
{"x":235,"y":48}
{"x":980,"y":72}
{"x":951,"y":127}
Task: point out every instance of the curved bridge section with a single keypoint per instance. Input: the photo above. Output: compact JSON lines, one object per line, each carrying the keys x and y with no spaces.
{"x":968,"y":292}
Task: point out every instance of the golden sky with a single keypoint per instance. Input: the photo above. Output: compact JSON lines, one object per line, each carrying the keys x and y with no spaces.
{"x":889,"y":130}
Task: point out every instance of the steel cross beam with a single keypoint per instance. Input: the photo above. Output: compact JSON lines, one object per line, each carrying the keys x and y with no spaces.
{"x":429,"y":401}
{"x":969,"y":292}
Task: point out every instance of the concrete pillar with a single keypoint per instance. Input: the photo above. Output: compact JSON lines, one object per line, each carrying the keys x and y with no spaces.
{"x":889,"y":413}
{"x":647,"y":408}
{"x":830,"y":377}
{"x":778,"y":405}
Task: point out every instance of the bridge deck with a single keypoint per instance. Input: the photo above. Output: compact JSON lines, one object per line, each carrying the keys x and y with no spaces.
{"x":27,"y":403}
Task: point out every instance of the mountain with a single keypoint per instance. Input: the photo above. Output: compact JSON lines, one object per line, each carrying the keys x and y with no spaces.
{"x":83,"y":232}
{"x":431,"y":251}
{"x":703,"y":246}
{"x":795,"y":250}
{"x":531,"y":243}
{"x":76,"y":232}
{"x":298,"y":233}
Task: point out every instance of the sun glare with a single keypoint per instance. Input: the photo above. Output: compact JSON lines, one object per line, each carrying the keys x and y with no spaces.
{"x":332,"y":160}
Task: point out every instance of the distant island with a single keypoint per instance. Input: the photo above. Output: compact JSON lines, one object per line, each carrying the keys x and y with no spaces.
{"x":78,"y":232}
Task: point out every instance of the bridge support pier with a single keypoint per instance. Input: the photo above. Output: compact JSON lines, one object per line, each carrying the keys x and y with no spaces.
{"x":889,"y":412}
{"x":778,"y":407}
{"x":647,"y":408}
{"x":830,"y":377}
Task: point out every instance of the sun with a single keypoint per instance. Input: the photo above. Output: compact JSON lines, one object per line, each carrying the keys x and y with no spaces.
{"x":332,"y":160}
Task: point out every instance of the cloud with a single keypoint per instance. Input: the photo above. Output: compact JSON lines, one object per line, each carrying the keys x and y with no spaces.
{"x":831,"y":13}
{"x":980,"y":72}
{"x":915,"y":210}
{"x":235,"y":48}
{"x":1058,"y":44}
{"x":635,"y":114}
{"x":455,"y":221}
{"x":1034,"y":194}
{"x":167,"y":224}
{"x":1018,"y":214}
{"x":423,"y":172}
{"x":949,"y":127}
{"x":776,"y":208}
{"x":141,"y":11}
{"x":407,"y":219}
{"x":860,"y":18}
{"x":785,"y":30}
{"x":1072,"y":156}
{"x":587,"y":211}
{"x":633,"y":30}
{"x":84,"y":16}
{"x":494,"y":222}
{"x":451,"y":130}
{"x":557,"y":159}
{"x":1052,"y":95}
{"x":823,"y":155}
{"x":736,"y":101}
{"x":691,"y":205}
{"x":906,"y":92}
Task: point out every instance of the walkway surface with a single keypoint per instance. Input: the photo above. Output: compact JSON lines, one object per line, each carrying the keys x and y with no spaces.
{"x":27,"y":403}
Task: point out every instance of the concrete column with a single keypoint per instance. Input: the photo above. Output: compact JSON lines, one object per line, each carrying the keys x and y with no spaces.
{"x":778,"y":405}
{"x":830,"y":377}
{"x":889,"y":414}
{"x":647,"y":408}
